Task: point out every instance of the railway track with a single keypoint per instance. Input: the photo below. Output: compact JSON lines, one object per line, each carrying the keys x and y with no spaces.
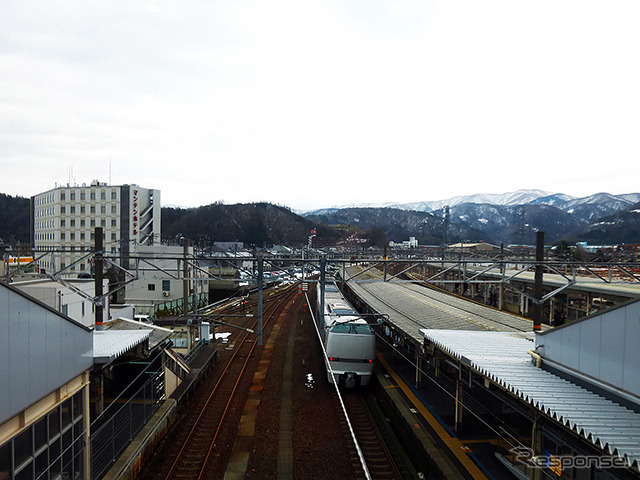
{"x":206,"y":436}
{"x":377,"y":457}
{"x":193,"y":458}
{"x":203,"y":451}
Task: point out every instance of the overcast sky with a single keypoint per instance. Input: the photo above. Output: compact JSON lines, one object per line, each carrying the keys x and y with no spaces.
{"x":313,"y":104}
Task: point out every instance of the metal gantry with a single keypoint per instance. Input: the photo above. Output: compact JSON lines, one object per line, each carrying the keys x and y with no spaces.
{"x":453,"y":268}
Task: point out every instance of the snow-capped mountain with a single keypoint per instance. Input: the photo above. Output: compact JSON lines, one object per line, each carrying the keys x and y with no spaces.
{"x":562,"y":201}
{"x":509,"y":217}
{"x":519,"y":197}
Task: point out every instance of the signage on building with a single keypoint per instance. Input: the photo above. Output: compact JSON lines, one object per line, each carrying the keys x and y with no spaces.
{"x":135,"y":212}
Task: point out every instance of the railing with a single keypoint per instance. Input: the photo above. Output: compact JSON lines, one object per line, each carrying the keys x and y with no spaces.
{"x":188,"y":358}
{"x":110,"y":439}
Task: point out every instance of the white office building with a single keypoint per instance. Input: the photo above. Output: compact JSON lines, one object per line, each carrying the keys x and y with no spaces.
{"x":63,"y":222}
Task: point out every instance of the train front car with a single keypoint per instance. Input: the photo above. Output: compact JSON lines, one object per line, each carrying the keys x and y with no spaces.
{"x":351,"y":350}
{"x":349,"y":342}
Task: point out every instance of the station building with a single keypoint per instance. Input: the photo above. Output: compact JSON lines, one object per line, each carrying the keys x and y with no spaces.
{"x":71,"y":396}
{"x":45,"y":364}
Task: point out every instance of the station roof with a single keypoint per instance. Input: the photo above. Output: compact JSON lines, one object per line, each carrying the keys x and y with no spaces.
{"x":503,"y":358}
{"x":157,"y":336}
{"x":582,"y":283}
{"x":411,"y":307}
{"x":110,"y":344}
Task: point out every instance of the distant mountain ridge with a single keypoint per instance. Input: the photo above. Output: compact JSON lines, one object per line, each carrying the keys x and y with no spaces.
{"x":519,"y":197}
{"x":508,"y":218}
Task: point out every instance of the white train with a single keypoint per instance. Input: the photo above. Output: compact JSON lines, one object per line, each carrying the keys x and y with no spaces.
{"x":348,"y":339}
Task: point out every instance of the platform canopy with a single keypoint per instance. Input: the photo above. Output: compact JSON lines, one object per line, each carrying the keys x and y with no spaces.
{"x":503,"y":358}
{"x":110,"y":344}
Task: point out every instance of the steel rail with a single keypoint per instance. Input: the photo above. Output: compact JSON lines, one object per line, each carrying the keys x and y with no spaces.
{"x":281,"y":299}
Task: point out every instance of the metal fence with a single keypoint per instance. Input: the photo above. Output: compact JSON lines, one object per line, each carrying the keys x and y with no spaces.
{"x":188,"y":358}
{"x":110,"y":439}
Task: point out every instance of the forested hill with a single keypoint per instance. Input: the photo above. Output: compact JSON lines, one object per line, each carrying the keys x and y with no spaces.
{"x":259,"y":224}
{"x":14,"y":219}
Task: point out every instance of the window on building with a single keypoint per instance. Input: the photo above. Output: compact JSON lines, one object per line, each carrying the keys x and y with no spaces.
{"x":62,"y":196}
{"x":103,"y":195}
{"x":151,"y":287}
{"x":81,"y":195}
{"x":93,"y":209}
{"x":113,"y":194}
{"x":166,"y":285}
{"x":72,"y":196}
{"x":72,"y":222}
{"x":63,"y":209}
{"x":37,"y":450}
{"x":93,"y":196}
{"x":179,"y":339}
{"x":82,"y":209}
{"x":103,"y":209}
{"x":72,"y":209}
{"x":82,"y":222}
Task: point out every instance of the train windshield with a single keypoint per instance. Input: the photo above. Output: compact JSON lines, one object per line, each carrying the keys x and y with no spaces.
{"x":360,"y":329}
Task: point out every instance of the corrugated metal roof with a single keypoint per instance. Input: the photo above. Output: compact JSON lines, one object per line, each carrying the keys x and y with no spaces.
{"x":503,"y":358}
{"x":110,"y":344}
{"x":158,"y":334}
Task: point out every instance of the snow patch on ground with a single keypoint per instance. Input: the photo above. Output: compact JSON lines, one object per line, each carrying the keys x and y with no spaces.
{"x":223,"y":336}
{"x":310,"y":381}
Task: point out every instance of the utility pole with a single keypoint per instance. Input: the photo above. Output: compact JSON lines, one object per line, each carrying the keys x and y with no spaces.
{"x":323,"y":282}
{"x":260,"y":275}
{"x":537,"y":307}
{"x":185,"y":276}
{"x":98,"y":277}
